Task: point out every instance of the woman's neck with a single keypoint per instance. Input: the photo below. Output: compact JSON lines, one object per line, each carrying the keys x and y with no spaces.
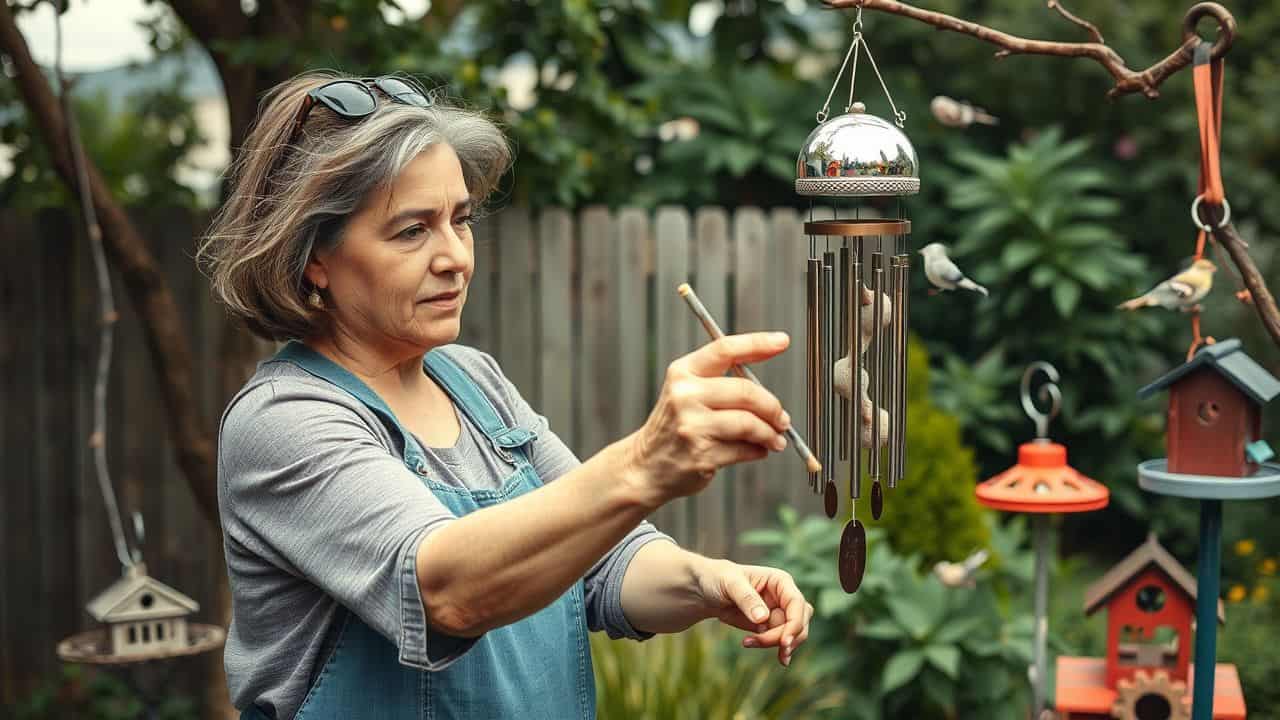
{"x":394,"y":372}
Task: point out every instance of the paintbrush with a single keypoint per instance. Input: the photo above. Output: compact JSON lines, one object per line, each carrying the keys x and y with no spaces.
{"x":708,"y":322}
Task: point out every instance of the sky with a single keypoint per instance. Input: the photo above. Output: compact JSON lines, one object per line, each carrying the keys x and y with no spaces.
{"x":100,"y":34}
{"x":96,"y":34}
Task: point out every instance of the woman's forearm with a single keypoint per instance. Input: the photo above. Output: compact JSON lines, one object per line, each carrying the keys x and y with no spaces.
{"x":499,"y":564}
{"x":661,"y":590}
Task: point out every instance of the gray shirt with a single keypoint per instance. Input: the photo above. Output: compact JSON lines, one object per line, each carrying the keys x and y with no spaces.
{"x":320,"y":513}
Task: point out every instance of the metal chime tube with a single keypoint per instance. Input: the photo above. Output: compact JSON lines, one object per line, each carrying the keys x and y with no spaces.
{"x":890,"y":401}
{"x":813,"y":271}
{"x":902,"y":318}
{"x":828,"y":451}
{"x":877,"y":350}
{"x":855,"y":355}
{"x":843,"y":302}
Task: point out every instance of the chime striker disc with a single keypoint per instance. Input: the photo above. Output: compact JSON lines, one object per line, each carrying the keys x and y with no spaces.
{"x":858,"y":227}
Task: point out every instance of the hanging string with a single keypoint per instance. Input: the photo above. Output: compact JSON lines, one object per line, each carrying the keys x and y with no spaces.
{"x":98,"y":436}
{"x":1207,"y":78}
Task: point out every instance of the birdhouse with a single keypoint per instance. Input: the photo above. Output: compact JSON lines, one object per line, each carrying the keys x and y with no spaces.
{"x":1150,"y":602}
{"x":142,"y":615}
{"x":1215,"y":412}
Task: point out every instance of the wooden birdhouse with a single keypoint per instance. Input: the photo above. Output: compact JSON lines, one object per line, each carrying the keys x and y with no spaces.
{"x":1215,"y":412}
{"x":142,"y":615}
{"x":1150,"y":602}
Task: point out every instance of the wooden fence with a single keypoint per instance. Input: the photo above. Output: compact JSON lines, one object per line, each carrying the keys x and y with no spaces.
{"x":580,"y":311}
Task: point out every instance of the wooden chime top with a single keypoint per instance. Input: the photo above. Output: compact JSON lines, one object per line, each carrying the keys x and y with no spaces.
{"x":1043,"y":482}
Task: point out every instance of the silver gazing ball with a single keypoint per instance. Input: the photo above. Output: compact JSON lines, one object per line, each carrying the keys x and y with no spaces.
{"x":856,"y":155}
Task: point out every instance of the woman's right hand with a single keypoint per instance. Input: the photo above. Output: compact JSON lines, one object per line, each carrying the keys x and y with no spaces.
{"x":704,"y":421}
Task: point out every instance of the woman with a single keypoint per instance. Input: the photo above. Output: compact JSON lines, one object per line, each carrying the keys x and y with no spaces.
{"x":405,"y":536}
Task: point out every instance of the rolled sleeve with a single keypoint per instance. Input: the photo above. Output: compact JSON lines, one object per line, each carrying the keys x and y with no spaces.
{"x":604,"y":585}
{"x":420,"y":646}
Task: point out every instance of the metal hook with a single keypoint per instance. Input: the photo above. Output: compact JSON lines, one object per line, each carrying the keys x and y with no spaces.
{"x":857,"y":20}
{"x":1049,"y":392}
{"x":1226,"y":26}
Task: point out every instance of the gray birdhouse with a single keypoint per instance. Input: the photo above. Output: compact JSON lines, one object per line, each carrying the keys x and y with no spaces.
{"x":142,"y":615}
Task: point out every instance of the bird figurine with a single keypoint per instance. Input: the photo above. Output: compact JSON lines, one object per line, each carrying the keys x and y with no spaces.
{"x":842,"y":372}
{"x":943,"y":273}
{"x":1183,"y":291}
{"x":957,"y":113}
{"x":960,"y":574}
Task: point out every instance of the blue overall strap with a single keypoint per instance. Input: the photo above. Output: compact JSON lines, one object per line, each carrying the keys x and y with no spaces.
{"x":322,"y":367}
{"x":473,"y":402}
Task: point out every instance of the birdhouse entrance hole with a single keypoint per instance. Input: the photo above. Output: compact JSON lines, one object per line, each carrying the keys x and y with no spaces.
{"x":1153,"y":707}
{"x":1150,"y":599}
{"x":1208,"y":413}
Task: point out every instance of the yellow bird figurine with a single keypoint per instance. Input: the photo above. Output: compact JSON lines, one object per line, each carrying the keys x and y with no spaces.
{"x":1183,"y":291}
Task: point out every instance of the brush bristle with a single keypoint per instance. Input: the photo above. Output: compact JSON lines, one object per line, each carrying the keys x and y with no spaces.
{"x":684,"y":289}
{"x":814,"y":465}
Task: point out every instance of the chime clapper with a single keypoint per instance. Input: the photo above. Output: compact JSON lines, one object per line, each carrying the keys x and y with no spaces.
{"x":713,"y":329}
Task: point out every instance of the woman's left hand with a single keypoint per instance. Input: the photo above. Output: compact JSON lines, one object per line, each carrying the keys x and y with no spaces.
{"x":763,"y":601}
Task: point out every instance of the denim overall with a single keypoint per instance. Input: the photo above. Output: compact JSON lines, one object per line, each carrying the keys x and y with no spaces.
{"x":538,"y":668}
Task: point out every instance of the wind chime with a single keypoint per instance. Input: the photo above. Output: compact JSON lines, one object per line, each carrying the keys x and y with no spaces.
{"x":857,"y":162}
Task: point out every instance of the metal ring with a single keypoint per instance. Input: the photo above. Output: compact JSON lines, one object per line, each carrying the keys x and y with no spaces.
{"x":1195,"y":214}
{"x":1226,"y":26}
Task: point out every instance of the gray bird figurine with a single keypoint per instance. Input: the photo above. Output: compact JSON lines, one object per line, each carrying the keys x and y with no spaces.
{"x":956,"y":113}
{"x":943,"y":273}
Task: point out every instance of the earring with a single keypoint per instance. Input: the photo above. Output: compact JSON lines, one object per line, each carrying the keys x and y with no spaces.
{"x":314,"y":299}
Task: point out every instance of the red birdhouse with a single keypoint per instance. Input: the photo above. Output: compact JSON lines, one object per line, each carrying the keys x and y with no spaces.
{"x":1215,"y":412}
{"x":1150,"y":600}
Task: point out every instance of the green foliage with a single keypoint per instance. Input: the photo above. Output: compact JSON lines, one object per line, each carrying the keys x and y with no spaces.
{"x":904,"y":645}
{"x":139,"y":149}
{"x":90,"y":695}
{"x":704,"y":673}
{"x":1248,"y":641}
{"x":940,"y":519}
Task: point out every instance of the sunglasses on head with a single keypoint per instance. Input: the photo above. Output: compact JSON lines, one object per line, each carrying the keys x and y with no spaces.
{"x":355,"y":99}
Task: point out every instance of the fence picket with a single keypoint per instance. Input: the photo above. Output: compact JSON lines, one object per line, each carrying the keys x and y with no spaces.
{"x":673,"y":332}
{"x":598,"y":356}
{"x":555,"y":317}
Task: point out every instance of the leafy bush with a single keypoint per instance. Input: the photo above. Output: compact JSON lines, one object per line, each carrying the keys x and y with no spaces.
{"x":704,"y":674}
{"x":904,"y":645}
{"x":91,"y":695}
{"x":1248,"y":641}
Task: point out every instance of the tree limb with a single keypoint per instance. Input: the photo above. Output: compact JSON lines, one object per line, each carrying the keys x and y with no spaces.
{"x":162,"y":325}
{"x":1263,"y":300}
{"x":1127,"y":81}
{"x":1090,"y":27}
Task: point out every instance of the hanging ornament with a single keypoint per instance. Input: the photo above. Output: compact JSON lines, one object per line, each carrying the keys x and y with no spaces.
{"x":857,"y":162}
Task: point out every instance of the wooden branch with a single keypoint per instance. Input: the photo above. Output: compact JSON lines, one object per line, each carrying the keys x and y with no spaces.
{"x":1127,"y":81}
{"x":165,"y":334}
{"x":1090,"y":27}
{"x":1263,"y":301}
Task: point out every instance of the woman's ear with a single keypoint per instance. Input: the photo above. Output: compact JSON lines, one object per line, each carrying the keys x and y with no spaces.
{"x":315,"y":273}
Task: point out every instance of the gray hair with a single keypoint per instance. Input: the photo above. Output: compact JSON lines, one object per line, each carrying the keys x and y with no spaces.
{"x":288,"y":200}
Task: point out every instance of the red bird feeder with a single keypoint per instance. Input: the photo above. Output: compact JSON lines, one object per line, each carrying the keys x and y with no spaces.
{"x":1042,"y":483}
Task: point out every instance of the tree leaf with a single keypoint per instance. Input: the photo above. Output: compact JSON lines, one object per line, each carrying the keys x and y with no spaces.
{"x":902,"y":669}
{"x":944,"y":657}
{"x":1018,"y":255}
{"x":1066,"y":295}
